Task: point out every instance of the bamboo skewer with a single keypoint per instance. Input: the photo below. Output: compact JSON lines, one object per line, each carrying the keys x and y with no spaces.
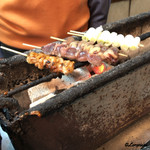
{"x":14,"y":51}
{"x":72,"y":31}
{"x":30,"y":45}
{"x":75,"y":34}
{"x":141,"y":45}
{"x":55,"y":38}
{"x":124,"y":55}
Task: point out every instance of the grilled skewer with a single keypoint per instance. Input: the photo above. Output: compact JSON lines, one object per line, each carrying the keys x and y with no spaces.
{"x":107,"y":38}
{"x":83,"y":51}
{"x":41,"y":60}
{"x":55,"y":64}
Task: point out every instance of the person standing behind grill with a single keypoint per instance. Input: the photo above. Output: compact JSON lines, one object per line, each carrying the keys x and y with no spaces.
{"x":34,"y":21}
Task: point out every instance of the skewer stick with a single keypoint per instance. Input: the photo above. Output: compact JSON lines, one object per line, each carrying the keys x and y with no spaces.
{"x":55,"y":38}
{"x":124,"y":55}
{"x":141,"y":45}
{"x":30,"y":45}
{"x":82,"y":33}
{"x":75,"y":34}
{"x":14,"y":51}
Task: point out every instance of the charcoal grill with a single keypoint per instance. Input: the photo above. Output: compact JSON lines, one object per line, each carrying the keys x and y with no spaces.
{"x":86,"y":115}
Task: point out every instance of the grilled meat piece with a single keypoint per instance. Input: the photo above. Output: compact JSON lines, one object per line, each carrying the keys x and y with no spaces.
{"x":55,"y":64}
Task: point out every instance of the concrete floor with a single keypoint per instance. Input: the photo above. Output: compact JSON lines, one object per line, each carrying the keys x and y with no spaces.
{"x":132,"y":137}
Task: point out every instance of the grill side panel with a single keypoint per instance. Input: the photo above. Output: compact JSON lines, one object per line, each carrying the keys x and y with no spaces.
{"x":90,"y":120}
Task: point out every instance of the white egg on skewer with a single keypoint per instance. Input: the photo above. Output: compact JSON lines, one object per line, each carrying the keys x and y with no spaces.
{"x":111,"y":38}
{"x":95,"y":34}
{"x":137,"y":40}
{"x":132,"y":42}
{"x":113,"y":34}
{"x":129,"y":38}
{"x":103,"y":37}
{"x":107,"y":38}
{"x":90,"y":35}
{"x":135,"y":43}
{"x":124,"y":45}
{"x":118,"y":40}
{"x":99,"y":31}
{"x":128,"y":42}
{"x":100,"y":28}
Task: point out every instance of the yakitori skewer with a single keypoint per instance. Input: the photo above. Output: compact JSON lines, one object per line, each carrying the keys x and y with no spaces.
{"x":77,"y":32}
{"x":62,"y":40}
{"x":41,"y":60}
{"x":98,"y":35}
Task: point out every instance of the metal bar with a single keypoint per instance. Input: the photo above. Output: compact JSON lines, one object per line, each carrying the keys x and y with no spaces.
{"x":144,"y":36}
{"x":36,"y":82}
{"x":7,"y":102}
{"x":41,"y":80}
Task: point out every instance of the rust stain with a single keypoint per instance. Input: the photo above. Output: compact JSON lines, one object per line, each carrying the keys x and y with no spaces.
{"x":25,"y":114}
{"x":35,"y":113}
{"x":5,"y":93}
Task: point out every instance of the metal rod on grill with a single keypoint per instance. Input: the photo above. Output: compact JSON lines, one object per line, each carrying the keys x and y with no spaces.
{"x":144,"y":36}
{"x":7,"y":102}
{"x":41,"y":80}
{"x":34,"y":83}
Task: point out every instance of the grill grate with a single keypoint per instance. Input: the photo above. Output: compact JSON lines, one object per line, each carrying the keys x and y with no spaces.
{"x":52,"y":75}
